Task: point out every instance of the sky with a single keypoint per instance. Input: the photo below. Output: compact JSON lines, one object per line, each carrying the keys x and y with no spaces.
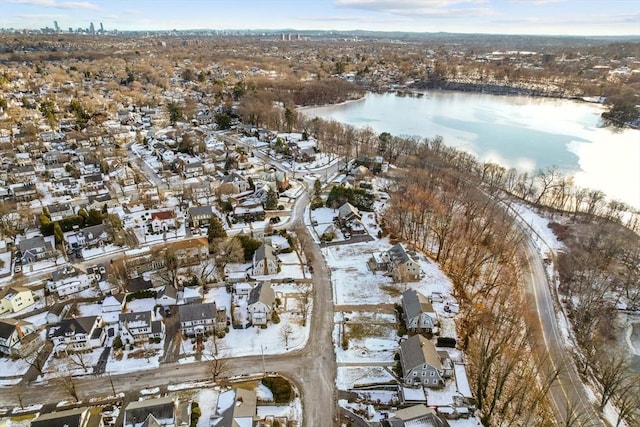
{"x":545,"y":17}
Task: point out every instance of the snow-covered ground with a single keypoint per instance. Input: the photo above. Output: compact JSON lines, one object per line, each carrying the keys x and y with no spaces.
{"x":543,"y":237}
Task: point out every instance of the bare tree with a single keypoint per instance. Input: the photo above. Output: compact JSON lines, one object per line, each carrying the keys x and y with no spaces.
{"x":306,"y":298}
{"x":229,"y":251}
{"x":79,"y":359}
{"x":68,"y":384}
{"x":611,"y":369}
{"x":285,"y":334}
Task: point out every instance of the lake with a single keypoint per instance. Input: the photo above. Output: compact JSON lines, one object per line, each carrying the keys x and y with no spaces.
{"x":527,"y":133}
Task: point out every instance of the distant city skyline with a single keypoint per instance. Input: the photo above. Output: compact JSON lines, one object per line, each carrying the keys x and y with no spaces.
{"x":539,"y":17}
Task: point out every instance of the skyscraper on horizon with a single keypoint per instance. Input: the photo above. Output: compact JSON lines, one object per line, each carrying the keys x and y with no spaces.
{"x":92,"y":29}
{"x":56,"y":27}
{"x":101,"y":29}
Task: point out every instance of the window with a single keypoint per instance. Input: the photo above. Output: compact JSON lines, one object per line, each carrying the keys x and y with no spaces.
{"x":432,"y":373}
{"x":424,"y":374}
{"x":415,"y":373}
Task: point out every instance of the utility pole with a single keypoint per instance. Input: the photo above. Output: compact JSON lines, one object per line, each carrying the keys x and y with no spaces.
{"x":264,"y":369}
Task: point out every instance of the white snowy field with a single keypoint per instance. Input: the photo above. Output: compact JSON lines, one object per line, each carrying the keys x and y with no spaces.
{"x":355,"y":284}
{"x":143,"y":356}
{"x":350,"y":376}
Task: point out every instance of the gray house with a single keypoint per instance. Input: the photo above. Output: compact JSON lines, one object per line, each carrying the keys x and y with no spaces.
{"x":35,"y":249}
{"x":199,"y":319}
{"x":419,"y":316}
{"x":200,"y":215}
{"x":422,"y":364}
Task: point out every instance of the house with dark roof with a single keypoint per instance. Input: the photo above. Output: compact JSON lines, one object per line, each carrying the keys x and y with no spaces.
{"x":139,"y":327}
{"x":151,"y":412}
{"x":57,"y":312}
{"x":78,"y":334}
{"x":58,"y":211}
{"x":199,"y":319}
{"x":18,"y":338}
{"x":261,"y":303}
{"x":78,"y":417}
{"x":88,"y":237}
{"x":200,"y":215}
{"x":167,"y":296}
{"x":35,"y":249}
{"x":402,"y":264}
{"x":422,"y":364}
{"x":419,"y":315}
{"x":265,"y":261}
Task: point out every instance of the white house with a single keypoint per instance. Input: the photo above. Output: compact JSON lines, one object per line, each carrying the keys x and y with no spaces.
{"x":18,"y":338}
{"x":265,"y":261}
{"x":139,"y":326}
{"x":79,"y":334}
{"x":15,"y":298}
{"x":261,"y":303}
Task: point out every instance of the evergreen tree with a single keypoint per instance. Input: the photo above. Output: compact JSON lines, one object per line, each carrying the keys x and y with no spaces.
{"x":216,"y":230}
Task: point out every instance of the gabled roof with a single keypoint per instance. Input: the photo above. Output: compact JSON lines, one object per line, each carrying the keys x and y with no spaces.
{"x":414,"y":303}
{"x":12,"y":290}
{"x":142,"y":317}
{"x":138,"y":412}
{"x":33,"y":243}
{"x":200,"y":210}
{"x":69,"y":418}
{"x":8,"y":326}
{"x":163,"y":215}
{"x":416,"y":351}
{"x":348,"y":210}
{"x":80,"y":325}
{"x":400,"y":255}
{"x":262,"y":293}
{"x":265,"y":251}
{"x":193,"y":312}
{"x":169,"y":291}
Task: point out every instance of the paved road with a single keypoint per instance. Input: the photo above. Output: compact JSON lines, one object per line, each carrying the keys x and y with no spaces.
{"x":567,"y":394}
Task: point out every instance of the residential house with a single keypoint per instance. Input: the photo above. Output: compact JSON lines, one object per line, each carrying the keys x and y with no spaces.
{"x":152,"y":412}
{"x":163,"y":221}
{"x":236,"y":407}
{"x":249,"y":211}
{"x":18,"y":338}
{"x":261,"y":303}
{"x":139,"y":327}
{"x":200,"y":319}
{"x":15,"y":298}
{"x":242,"y":289}
{"x":265,"y":261}
{"x":88,"y":237}
{"x":23,"y":192}
{"x":200,"y":215}
{"x":403,"y":265}
{"x":78,"y":334}
{"x":59,"y":211}
{"x":191,"y":295}
{"x":112,"y":306}
{"x":57,"y":312}
{"x":23,"y":174}
{"x":190,"y":252}
{"x":35,"y":249}
{"x":419,"y":316}
{"x":191,"y":169}
{"x":78,"y":417}
{"x":422,"y":364}
{"x":417,"y":415}
{"x":348,"y":213}
{"x":68,"y":280}
{"x":167,"y":296}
